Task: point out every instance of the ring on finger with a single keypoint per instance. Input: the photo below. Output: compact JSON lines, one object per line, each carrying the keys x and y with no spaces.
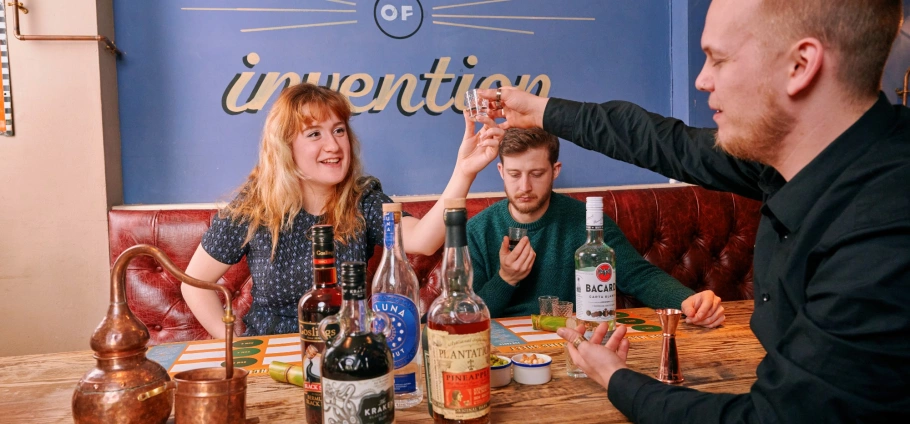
{"x":578,"y":340}
{"x":498,"y":95}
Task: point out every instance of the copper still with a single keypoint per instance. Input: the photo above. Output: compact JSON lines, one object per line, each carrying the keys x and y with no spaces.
{"x":669,"y":371}
{"x":127,"y":387}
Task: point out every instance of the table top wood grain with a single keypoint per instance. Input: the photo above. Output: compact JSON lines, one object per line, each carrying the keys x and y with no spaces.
{"x":39,"y":388}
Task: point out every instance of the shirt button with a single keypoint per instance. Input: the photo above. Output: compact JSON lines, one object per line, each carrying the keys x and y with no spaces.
{"x":786,"y":236}
{"x":765,"y":297}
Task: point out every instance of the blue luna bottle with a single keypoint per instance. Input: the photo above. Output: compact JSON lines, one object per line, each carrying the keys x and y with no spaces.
{"x":396,"y":293}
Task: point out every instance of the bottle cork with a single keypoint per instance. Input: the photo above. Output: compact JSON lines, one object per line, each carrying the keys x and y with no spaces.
{"x":454,"y":203}
{"x":391,"y":207}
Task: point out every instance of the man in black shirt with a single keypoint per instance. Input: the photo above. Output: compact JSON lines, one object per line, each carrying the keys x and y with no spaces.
{"x":802,"y":126}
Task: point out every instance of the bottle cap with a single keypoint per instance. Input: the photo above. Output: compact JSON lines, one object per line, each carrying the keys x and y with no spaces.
{"x":323,"y":234}
{"x":391,"y":207}
{"x":594,"y":202}
{"x":454,"y":203}
{"x":353,"y":285}
{"x":594,"y":212}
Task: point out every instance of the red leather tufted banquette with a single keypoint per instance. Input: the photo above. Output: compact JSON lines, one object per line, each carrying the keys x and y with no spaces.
{"x":703,"y":238}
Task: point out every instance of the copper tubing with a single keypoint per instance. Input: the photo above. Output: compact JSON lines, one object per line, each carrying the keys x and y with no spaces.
{"x":118,"y":289}
{"x":108,"y":44}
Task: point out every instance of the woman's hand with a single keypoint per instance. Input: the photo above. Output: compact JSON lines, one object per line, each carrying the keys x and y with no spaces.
{"x":478,"y":149}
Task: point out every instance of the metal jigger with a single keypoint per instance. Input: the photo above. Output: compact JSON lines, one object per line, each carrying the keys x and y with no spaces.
{"x":127,"y":387}
{"x":669,"y":359}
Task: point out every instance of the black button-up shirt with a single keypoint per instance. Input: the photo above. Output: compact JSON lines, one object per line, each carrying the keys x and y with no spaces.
{"x":831,"y":266}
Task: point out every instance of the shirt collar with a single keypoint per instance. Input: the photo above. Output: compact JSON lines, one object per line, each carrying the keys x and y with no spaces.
{"x":789,"y":202}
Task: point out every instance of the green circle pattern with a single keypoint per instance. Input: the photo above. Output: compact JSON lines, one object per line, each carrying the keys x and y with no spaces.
{"x":248,"y":343}
{"x":246,"y":352}
{"x":630,"y":321}
{"x":646,"y":328}
{"x":243,"y":362}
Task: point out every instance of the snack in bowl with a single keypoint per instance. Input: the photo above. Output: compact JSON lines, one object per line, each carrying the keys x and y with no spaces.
{"x":500,"y":371}
{"x":532,"y":368}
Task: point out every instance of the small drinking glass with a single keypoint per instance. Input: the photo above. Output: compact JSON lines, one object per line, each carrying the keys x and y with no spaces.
{"x":475,"y":105}
{"x":546,"y":305}
{"x":515,"y":235}
{"x":563,"y":308}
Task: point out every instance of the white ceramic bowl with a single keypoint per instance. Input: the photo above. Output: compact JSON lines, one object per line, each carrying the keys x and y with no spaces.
{"x":532,"y":373}
{"x":501,"y":375}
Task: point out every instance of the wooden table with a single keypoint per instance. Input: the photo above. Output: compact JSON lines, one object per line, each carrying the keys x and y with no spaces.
{"x":39,"y":388}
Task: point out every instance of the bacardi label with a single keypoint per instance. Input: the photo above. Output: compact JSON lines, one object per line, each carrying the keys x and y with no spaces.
{"x":595,"y":293}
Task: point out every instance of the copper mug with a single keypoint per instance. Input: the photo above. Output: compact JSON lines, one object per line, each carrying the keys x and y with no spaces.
{"x":204,"y":396}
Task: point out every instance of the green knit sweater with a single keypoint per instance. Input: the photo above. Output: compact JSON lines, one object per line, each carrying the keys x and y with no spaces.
{"x":555,"y":237}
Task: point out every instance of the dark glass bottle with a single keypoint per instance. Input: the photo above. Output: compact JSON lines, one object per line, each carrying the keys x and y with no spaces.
{"x":322,"y":301}
{"x":357,"y":368}
{"x":458,"y":333}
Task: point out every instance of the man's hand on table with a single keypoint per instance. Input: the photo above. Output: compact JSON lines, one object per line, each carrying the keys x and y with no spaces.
{"x":598,"y":362}
{"x":703,"y":309}
{"x":516,"y":264}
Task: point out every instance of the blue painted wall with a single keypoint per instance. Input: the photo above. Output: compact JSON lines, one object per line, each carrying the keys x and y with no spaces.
{"x":181,"y":141}
{"x":181,"y":144}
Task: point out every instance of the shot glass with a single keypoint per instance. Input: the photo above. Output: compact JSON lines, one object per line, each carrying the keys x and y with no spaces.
{"x":573,"y":370}
{"x":475,"y":105}
{"x":515,"y":235}
{"x":546,"y":305}
{"x":563,"y":308}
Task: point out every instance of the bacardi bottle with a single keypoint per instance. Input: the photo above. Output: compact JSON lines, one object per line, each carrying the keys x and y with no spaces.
{"x":357,"y":368}
{"x":322,"y":301}
{"x":595,"y":272}
{"x":458,"y":332}
{"x":396,"y":293}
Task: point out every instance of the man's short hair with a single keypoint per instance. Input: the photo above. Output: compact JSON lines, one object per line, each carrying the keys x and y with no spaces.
{"x":860,"y":31}
{"x":520,"y":140}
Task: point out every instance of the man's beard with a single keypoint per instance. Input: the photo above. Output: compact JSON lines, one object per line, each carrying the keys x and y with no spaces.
{"x":529,"y":208}
{"x":760,"y":139}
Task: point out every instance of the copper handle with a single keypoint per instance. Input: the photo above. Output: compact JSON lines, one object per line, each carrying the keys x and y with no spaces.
{"x":156,"y":391}
{"x":118,"y":291}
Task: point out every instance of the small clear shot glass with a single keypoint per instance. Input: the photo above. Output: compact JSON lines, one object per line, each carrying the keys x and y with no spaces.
{"x":475,"y":105}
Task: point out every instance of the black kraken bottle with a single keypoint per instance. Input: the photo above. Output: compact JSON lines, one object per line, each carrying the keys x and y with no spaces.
{"x":357,"y":368}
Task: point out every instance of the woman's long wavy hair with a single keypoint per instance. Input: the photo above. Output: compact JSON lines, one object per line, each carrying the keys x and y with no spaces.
{"x":273,"y":194}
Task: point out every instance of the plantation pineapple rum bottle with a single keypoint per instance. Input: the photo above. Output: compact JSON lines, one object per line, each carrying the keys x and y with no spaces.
{"x":322,"y":301}
{"x":595,"y":273}
{"x":396,"y":293}
{"x":357,"y":369}
{"x":458,"y":333}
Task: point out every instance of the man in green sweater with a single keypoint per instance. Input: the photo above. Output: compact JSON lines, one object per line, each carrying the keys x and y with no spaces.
{"x":510,"y":281}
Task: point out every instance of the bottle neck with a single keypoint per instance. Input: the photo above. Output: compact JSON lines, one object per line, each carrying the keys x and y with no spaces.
{"x":324,"y":273}
{"x":595,"y":234}
{"x":457,"y":273}
{"x":393,"y":246}
{"x":355,"y":316}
